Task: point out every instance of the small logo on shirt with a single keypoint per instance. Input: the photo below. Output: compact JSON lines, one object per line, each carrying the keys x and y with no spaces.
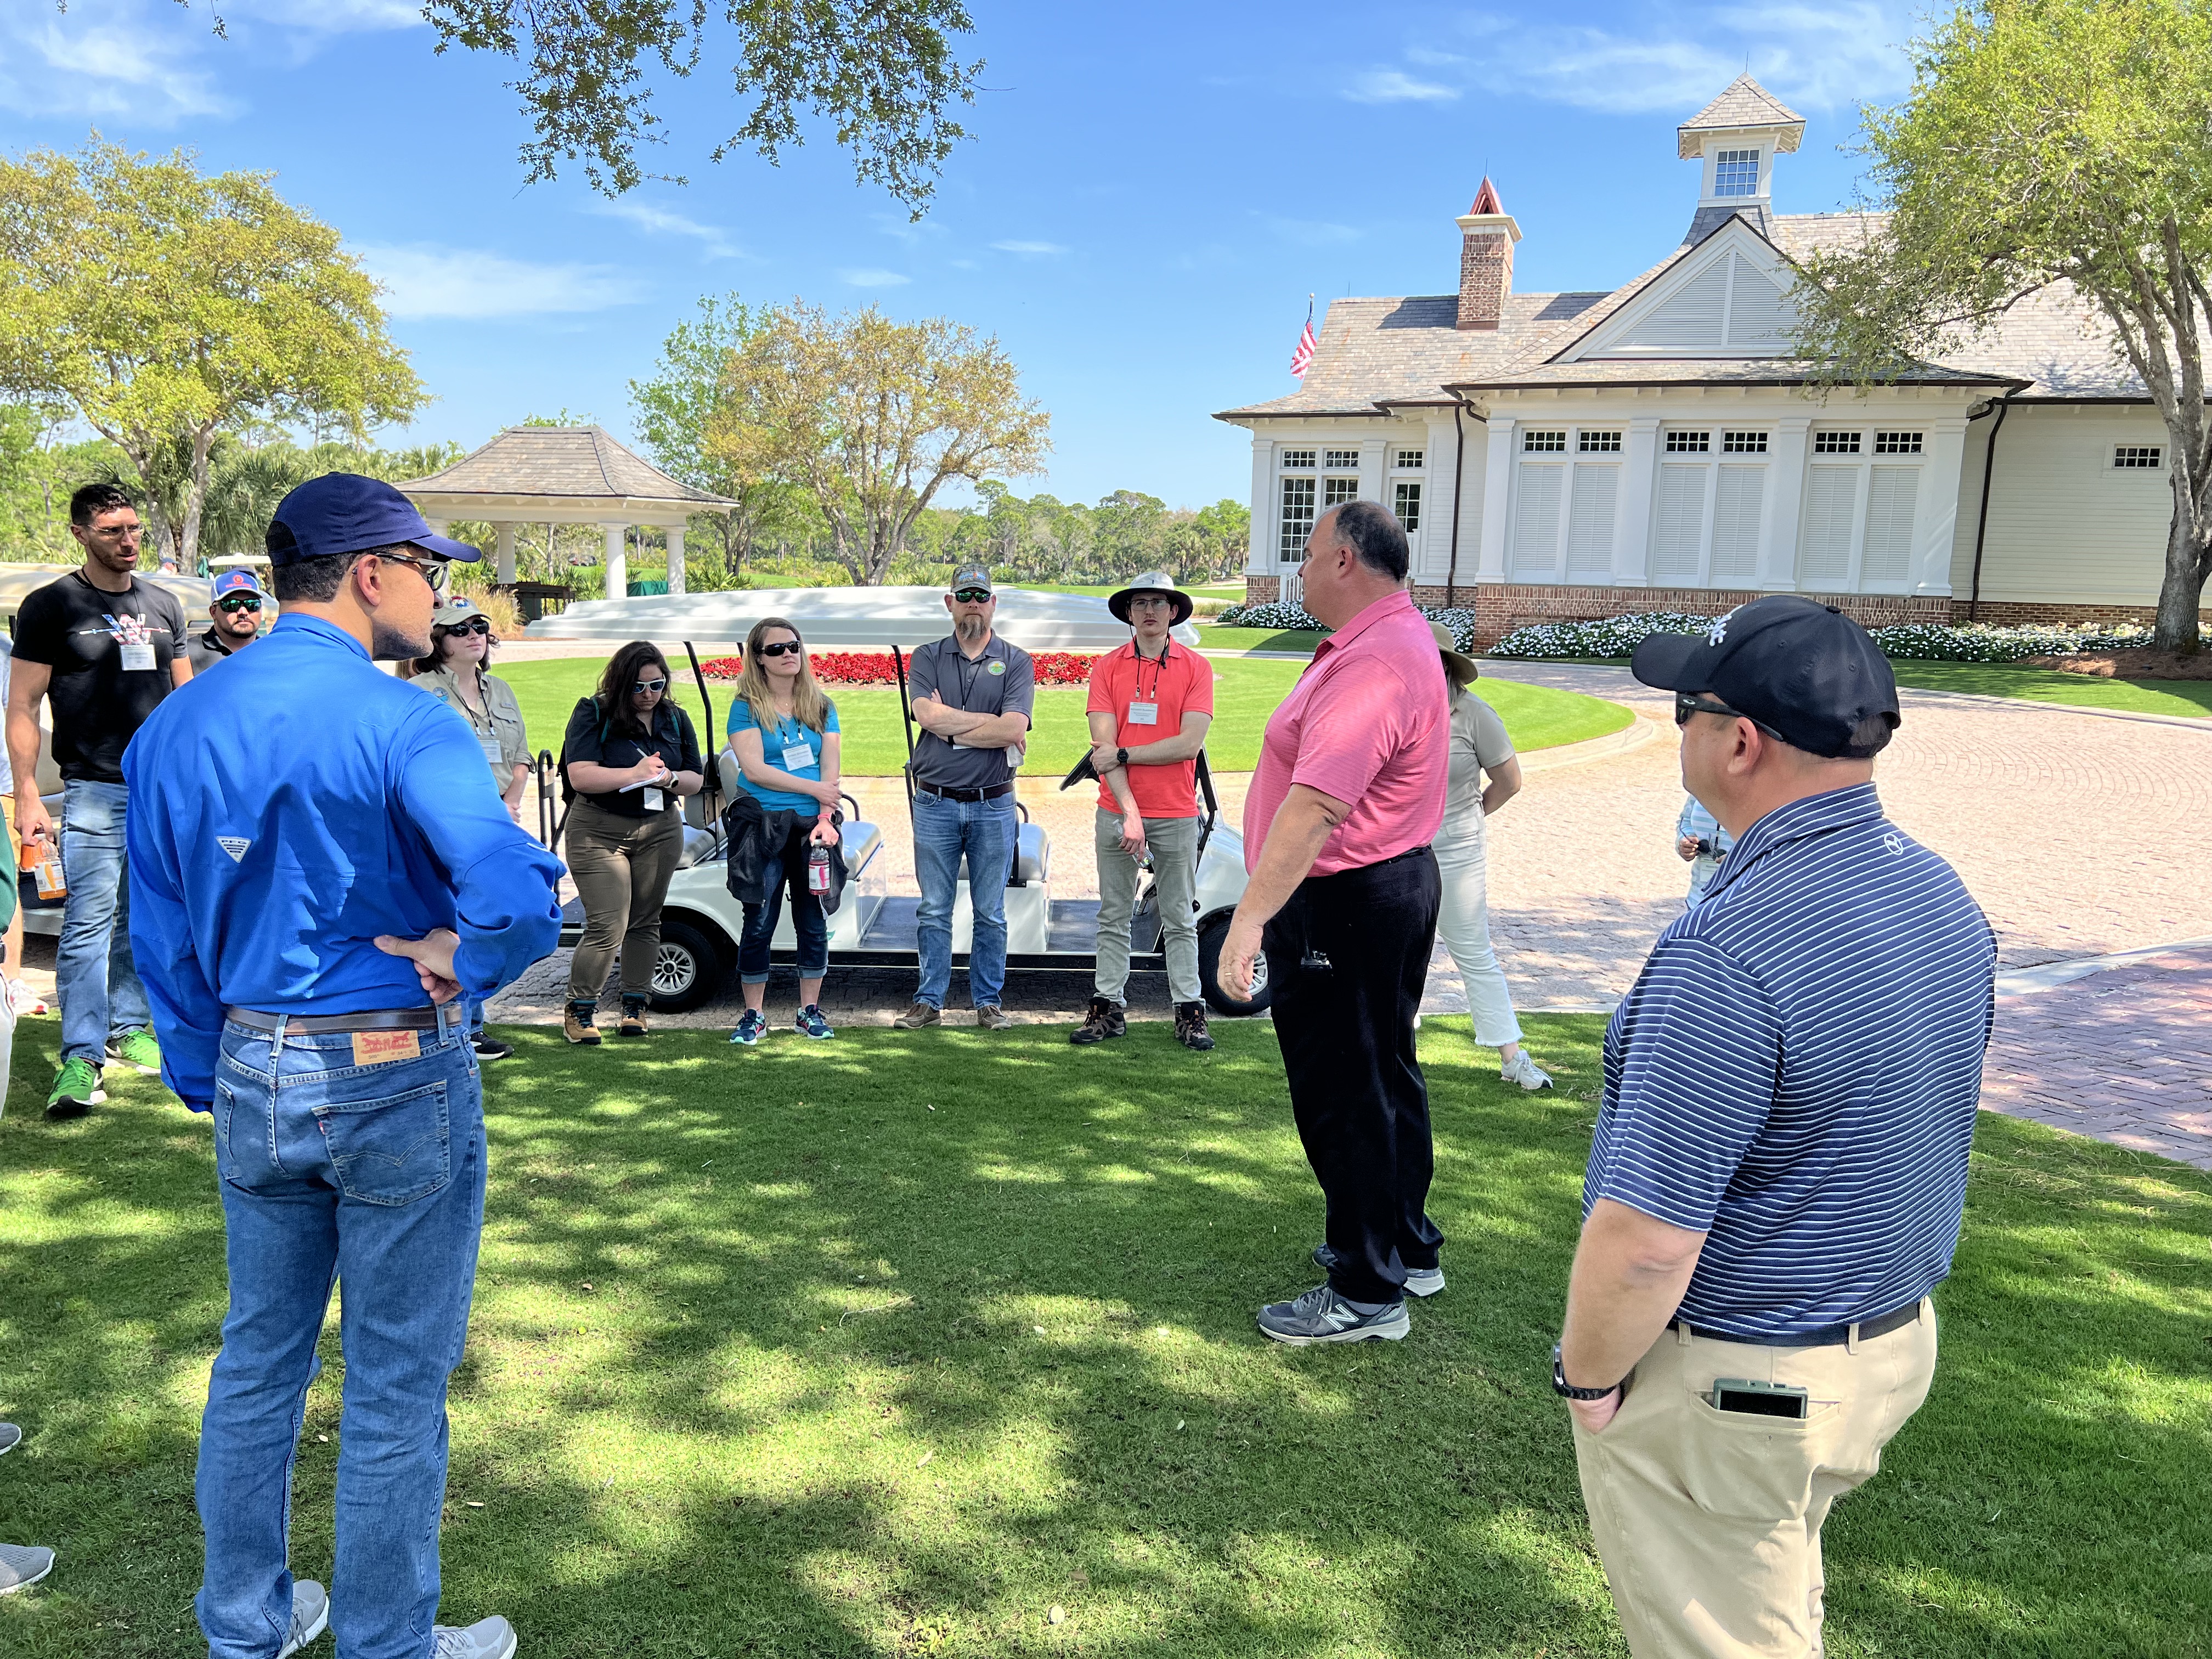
{"x":996,"y":667}
{"x":1894,"y":842}
{"x":234,"y":845}
{"x":128,"y":630}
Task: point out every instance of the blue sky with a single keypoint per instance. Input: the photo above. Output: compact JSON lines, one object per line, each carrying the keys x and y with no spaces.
{"x":1152,"y":192}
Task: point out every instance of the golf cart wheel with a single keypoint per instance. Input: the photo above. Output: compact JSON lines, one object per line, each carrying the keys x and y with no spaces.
{"x":686,"y":970}
{"x":1210,"y":938}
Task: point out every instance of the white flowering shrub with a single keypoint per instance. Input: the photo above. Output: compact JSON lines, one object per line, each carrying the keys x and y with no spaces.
{"x":1618,"y":636}
{"x":1276,"y":617}
{"x":1609,"y":636}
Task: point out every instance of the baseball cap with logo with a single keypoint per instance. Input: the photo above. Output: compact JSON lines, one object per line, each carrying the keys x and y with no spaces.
{"x":345,"y":513}
{"x":1795,"y":665}
{"x":239,"y":580}
{"x":971,"y":576}
{"x":459,"y":609}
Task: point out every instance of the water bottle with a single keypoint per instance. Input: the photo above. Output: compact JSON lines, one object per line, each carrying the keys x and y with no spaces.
{"x":817,"y":871}
{"x":44,"y":859}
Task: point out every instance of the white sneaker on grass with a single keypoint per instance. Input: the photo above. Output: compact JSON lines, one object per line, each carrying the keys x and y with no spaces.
{"x":310,"y":1616}
{"x":1525,"y":1071}
{"x":24,"y":1564}
{"x":488,"y":1639}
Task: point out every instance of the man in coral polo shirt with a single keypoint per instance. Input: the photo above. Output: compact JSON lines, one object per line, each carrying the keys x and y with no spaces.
{"x":1150,"y":703}
{"x":1349,"y":793}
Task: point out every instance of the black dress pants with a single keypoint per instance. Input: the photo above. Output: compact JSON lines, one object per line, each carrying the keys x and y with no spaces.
{"x":1348,"y":956}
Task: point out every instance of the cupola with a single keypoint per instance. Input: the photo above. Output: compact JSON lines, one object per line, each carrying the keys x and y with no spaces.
{"x":1737,"y":136}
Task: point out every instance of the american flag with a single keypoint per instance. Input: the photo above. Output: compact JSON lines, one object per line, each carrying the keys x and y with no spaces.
{"x":1302,"y":359}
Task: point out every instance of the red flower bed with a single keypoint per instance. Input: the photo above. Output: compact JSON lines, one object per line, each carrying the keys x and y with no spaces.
{"x":875,"y":668}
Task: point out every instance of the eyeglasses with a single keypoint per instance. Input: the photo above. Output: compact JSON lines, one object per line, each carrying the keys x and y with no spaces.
{"x":233,"y":606}
{"x":782,"y":648}
{"x":473,"y":625}
{"x":116,"y":532}
{"x":432,"y":571}
{"x":972,"y":596}
{"x":645,"y":687}
{"x":1687,"y":704}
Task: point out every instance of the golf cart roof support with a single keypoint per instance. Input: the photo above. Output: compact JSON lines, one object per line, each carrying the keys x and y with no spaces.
{"x":906,"y":719}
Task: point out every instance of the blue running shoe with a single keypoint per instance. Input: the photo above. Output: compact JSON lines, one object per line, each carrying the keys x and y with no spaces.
{"x":810,"y":1021}
{"x":750,"y":1027}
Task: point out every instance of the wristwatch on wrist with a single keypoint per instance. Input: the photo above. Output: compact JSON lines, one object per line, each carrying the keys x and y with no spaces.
{"x":1567,"y":1390}
{"x":1121,"y":757}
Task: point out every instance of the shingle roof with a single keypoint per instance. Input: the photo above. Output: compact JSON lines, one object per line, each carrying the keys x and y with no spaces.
{"x":569,"y":462}
{"x":1707,"y":371}
{"x":1745,"y":103}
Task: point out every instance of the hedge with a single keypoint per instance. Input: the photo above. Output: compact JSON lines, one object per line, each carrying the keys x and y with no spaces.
{"x":1283,"y":619}
{"x":1618,"y":636}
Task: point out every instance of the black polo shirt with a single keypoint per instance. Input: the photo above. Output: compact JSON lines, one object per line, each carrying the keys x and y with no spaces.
{"x":592,"y":737}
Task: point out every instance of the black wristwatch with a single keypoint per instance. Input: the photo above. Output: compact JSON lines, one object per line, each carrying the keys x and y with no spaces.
{"x":1567,"y":1390}
{"x":1121,"y":757}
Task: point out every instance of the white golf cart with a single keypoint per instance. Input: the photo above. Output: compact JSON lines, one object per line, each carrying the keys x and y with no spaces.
{"x":701,"y":921}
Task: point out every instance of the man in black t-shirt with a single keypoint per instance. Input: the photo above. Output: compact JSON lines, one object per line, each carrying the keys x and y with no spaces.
{"x":104,"y":648}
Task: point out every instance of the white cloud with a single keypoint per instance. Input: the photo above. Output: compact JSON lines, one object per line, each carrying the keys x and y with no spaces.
{"x":873,"y":278}
{"x":1029,"y":247}
{"x":1813,"y":58}
{"x":1394,"y":87}
{"x":424,"y":281}
{"x":713,"y":240}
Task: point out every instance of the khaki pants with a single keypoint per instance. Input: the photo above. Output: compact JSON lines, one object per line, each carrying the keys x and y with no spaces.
{"x":1174,"y":844}
{"x":1709,"y":1522}
{"x":621,"y":866}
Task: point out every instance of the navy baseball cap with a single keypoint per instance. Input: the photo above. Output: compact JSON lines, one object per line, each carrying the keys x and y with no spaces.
{"x":1797,"y":667}
{"x":345,"y":513}
{"x":239,"y":580}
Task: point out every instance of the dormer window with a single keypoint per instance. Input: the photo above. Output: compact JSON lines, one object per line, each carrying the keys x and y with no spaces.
{"x":1735,"y":172}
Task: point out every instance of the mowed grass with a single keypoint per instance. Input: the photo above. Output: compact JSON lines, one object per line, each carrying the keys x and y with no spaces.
{"x":2189,"y":697}
{"x":1217,"y":637}
{"x":1245,"y":693}
{"x":893,"y":1345}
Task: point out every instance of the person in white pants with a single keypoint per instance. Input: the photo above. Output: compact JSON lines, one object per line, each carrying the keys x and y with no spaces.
{"x":1478,"y":747}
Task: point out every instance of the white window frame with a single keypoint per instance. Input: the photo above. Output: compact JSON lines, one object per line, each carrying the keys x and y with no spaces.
{"x":1597,"y":440}
{"x":1539,"y":440}
{"x":1298,"y":460}
{"x":2155,"y":469}
{"x":1737,"y":158}
{"x":1857,"y":450}
{"x":1285,"y":552}
{"x":1894,"y":442}
{"x":1676,"y":441}
{"x":1398,"y":488}
{"x":1409,"y":460}
{"x":1340,"y":460}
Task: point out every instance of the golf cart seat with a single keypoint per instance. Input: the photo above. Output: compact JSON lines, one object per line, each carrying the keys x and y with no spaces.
{"x":697,"y":844}
{"x":1032,"y":856}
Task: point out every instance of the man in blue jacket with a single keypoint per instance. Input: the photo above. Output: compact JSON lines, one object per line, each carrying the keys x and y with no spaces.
{"x":319,"y":870}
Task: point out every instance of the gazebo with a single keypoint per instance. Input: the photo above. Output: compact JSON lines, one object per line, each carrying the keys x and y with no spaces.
{"x":552,"y":474}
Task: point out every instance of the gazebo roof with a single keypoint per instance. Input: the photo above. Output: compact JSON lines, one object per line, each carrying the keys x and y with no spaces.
{"x":538,"y":473}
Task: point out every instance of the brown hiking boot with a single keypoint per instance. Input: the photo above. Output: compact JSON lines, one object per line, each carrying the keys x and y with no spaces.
{"x":576,"y":1024}
{"x":1103,"y":1020}
{"x":919,"y":1015}
{"x":993,"y":1018}
{"x":633,"y":1019}
{"x":1190,"y":1026}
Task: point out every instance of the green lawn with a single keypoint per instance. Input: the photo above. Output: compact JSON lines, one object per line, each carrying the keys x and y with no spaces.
{"x":892,"y":1346}
{"x":1245,"y":694}
{"x":1215,"y":637}
{"x":2192,"y":698}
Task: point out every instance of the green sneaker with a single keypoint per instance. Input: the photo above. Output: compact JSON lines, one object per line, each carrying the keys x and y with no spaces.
{"x":76,"y":1088}
{"x":136,"y":1049}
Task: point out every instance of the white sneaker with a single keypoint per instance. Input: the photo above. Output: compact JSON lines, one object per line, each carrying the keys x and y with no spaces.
{"x":488,"y":1639}
{"x":310,"y":1616}
{"x":1525,"y":1071}
{"x":24,"y":1000}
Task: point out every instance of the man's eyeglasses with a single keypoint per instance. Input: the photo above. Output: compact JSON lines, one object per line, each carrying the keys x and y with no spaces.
{"x":782,"y":648}
{"x":644,"y":688}
{"x":1687,"y":704}
{"x":116,"y":532}
{"x":972,"y":596}
{"x":473,"y":625}
{"x":244,"y":602}
{"x":432,"y":571}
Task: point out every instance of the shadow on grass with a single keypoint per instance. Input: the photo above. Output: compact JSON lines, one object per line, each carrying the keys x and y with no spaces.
{"x":893,"y":1344}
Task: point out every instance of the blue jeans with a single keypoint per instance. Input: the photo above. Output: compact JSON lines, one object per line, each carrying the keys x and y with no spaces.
{"x":942,"y":831}
{"x":93,"y":975}
{"x":806,"y":920}
{"x":374,"y":1174}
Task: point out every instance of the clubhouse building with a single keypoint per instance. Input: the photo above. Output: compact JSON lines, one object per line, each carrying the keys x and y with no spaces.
{"x":1560,"y":456}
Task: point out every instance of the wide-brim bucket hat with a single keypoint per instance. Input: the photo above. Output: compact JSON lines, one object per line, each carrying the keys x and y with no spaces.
{"x":1153,"y":581}
{"x":1459,"y":666}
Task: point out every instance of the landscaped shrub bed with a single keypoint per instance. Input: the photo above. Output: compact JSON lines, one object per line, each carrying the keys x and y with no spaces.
{"x":1618,"y":636}
{"x":1609,"y":636}
{"x":1284,"y":619}
{"x":875,"y":668}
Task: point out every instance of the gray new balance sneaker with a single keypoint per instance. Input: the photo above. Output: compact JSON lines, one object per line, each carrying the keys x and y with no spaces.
{"x":11,"y":1437}
{"x":1322,"y":1316}
{"x":21,"y":1565}
{"x":488,"y":1639}
{"x":1419,"y":1281}
{"x":310,"y":1616}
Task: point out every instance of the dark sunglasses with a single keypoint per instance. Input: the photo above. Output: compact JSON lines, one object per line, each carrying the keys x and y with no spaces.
{"x":231,"y":607}
{"x":473,"y":625}
{"x":432,"y":571}
{"x":782,"y":648}
{"x":1687,"y":704}
{"x":645,"y":686}
{"x":972,"y":596}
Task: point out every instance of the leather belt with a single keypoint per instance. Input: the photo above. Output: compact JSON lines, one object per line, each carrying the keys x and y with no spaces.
{"x":1832,"y":1336}
{"x":971,"y":796}
{"x":374,"y":1020}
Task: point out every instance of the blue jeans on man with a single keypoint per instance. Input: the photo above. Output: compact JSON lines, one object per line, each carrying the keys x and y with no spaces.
{"x":373,"y":1174}
{"x":943,"y":831}
{"x":93,"y":975}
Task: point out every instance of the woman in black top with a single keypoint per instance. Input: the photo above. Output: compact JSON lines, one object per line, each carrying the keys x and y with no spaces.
{"x":631,"y":755}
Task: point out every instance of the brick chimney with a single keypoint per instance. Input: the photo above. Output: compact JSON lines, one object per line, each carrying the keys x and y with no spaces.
{"x":1485,"y":260}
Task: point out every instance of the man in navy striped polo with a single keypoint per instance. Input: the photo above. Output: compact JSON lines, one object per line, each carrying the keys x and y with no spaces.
{"x":1780,"y":1161}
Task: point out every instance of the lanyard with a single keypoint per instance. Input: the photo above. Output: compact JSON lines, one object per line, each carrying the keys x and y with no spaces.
{"x":968,"y":670}
{"x":1159,"y":667}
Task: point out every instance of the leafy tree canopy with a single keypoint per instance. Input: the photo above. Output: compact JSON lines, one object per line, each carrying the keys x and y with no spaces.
{"x":2047,"y":146}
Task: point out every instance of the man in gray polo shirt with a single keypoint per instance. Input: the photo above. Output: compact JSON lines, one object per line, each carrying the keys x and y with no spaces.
{"x":972,"y":696}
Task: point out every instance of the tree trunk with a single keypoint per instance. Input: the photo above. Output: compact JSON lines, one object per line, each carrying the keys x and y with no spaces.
{"x":157,"y":520}
{"x":188,"y":544}
{"x":2188,"y":560}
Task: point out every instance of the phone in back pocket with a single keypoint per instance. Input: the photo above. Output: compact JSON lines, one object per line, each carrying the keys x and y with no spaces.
{"x":1735,"y":1394}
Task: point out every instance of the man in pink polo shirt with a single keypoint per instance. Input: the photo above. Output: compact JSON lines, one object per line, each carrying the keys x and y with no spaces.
{"x":1342,"y":899}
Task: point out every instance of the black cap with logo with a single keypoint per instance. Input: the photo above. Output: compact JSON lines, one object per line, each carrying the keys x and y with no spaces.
{"x":1800,"y":667}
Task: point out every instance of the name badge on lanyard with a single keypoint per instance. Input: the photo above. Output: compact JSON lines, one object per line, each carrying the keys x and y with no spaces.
{"x":137,"y":659}
{"x":798,"y":757}
{"x":653,"y":800}
{"x":490,"y":747}
{"x":1144,"y":713}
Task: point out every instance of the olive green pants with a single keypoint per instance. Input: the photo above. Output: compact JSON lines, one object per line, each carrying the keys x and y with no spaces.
{"x":621,"y":866}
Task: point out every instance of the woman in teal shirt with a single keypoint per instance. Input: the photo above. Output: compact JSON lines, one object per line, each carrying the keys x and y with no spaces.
{"x":784,"y":733}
